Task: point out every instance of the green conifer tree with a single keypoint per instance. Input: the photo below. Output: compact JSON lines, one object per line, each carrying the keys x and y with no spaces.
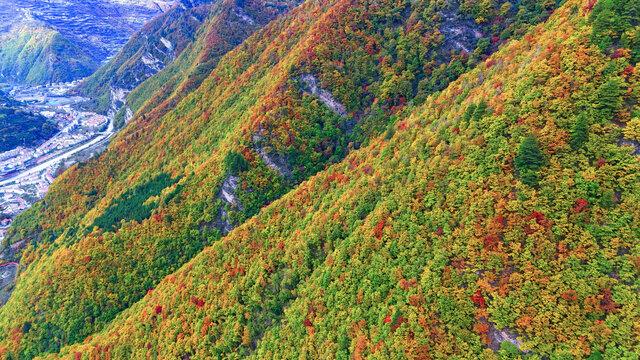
{"x":608,"y":199}
{"x":580,"y":132}
{"x":466,"y":117}
{"x":608,"y":100}
{"x":236,"y":163}
{"x":529,"y":160}
{"x":480,"y":110}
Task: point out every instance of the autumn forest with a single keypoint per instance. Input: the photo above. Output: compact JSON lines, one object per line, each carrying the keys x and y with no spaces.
{"x":355,"y":179}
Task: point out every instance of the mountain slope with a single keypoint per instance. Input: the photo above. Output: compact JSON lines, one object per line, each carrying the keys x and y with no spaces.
{"x":21,"y":128}
{"x":294,"y":98}
{"x":429,"y":244}
{"x":203,"y":30}
{"x":41,"y":56}
{"x":52,"y":41}
{"x":157,"y":44}
{"x":230,"y":24}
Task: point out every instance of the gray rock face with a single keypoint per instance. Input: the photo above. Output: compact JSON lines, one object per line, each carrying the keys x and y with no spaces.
{"x":499,"y":336}
{"x":118,"y":99}
{"x":229,"y":186}
{"x":309,"y":84}
{"x":632,"y":143}
{"x":325,"y":96}
{"x":459,"y":34}
{"x":227,"y":195}
{"x":272,"y":159}
{"x":154,"y":46}
{"x":242,"y":15}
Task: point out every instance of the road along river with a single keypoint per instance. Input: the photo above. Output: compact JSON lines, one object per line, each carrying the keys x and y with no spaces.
{"x":98,"y":140}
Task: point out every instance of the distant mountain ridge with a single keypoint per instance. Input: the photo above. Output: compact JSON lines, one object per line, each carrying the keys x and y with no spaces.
{"x":204,"y":30}
{"x":56,"y":41}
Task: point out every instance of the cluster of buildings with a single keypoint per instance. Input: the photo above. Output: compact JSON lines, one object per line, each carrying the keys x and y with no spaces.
{"x":17,"y":197}
{"x":4,"y":226}
{"x":19,"y":188}
{"x":14,"y":160}
{"x":35,"y":92}
{"x":21,"y":158}
{"x":75,"y":126}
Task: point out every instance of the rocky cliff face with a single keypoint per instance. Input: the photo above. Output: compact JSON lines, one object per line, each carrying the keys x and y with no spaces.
{"x":90,"y":31}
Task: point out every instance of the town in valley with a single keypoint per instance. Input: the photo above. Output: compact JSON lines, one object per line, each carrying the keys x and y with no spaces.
{"x":27,"y":172}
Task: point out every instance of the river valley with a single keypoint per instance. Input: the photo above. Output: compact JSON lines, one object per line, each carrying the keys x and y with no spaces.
{"x":26,"y":173}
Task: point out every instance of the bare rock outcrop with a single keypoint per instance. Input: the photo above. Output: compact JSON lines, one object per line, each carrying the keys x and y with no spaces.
{"x":325,"y":96}
{"x":634,"y":144}
{"x":272,"y":159}
{"x":227,"y":195}
{"x":459,"y":34}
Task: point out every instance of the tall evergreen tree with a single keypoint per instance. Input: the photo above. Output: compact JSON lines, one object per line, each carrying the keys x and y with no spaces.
{"x":608,"y":99}
{"x":469,"y":113}
{"x":529,"y":160}
{"x":608,"y":199}
{"x":480,"y":110}
{"x":580,"y":132}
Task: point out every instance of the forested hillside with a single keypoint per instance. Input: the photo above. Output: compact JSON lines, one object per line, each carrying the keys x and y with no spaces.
{"x":42,"y":56}
{"x":396,"y":191}
{"x":21,"y":128}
